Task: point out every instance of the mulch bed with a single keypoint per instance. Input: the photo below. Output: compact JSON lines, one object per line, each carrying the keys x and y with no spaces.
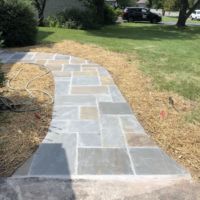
{"x":165,"y":123}
{"x":22,"y":132}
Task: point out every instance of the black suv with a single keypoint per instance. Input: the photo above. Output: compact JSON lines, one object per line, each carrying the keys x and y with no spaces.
{"x":132,"y":14}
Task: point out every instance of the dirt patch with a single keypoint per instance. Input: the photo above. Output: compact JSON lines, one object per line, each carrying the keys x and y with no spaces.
{"x":22,"y":132}
{"x":165,"y":123}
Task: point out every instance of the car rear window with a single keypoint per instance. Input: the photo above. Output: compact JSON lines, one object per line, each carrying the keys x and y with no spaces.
{"x":134,"y":9}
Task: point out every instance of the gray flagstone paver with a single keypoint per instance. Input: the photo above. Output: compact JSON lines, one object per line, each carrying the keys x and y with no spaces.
{"x":93,"y":130}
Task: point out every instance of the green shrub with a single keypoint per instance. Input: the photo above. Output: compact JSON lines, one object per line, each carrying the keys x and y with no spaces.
{"x":110,"y":16}
{"x":17,"y":23}
{"x":52,"y":21}
{"x":2,"y":78}
{"x":73,"y":19}
{"x":1,"y":40}
{"x":81,"y":19}
{"x":119,"y":12}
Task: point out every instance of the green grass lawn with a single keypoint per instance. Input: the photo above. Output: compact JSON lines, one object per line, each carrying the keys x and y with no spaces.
{"x":168,"y":54}
{"x":174,"y":19}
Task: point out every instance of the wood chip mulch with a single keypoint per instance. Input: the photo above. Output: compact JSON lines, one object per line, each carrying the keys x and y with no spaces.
{"x":22,"y":132}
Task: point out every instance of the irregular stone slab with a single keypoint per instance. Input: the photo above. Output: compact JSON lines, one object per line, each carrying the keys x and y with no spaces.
{"x":87,"y":80}
{"x":59,"y":126}
{"x":112,"y":135}
{"x":103,"y":72}
{"x":62,"y":57}
{"x":116,"y":94}
{"x":138,"y":140}
{"x":75,"y":100}
{"x":153,"y":161}
{"x":55,"y":63}
{"x":61,"y":87}
{"x":24,"y":169}
{"x":84,"y":126}
{"x":22,"y":56}
{"x":20,"y":61}
{"x":6,"y":56}
{"x":40,"y":62}
{"x":92,"y":69}
{"x":89,"y":90}
{"x":90,"y":65}
{"x":85,"y":74}
{"x":131,"y":124}
{"x":72,"y":68}
{"x":115,"y":108}
{"x":105,"y":80}
{"x":75,"y":60}
{"x":56,"y":157}
{"x":54,"y":67}
{"x":103,"y":98}
{"x":90,"y":113}
{"x":103,"y":162}
{"x":61,"y":74}
{"x":65,"y":113}
{"x":89,"y":140}
{"x":44,"y":56}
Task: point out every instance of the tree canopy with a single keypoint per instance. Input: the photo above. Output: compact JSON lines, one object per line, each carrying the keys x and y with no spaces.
{"x":40,"y":6}
{"x":186,"y":7}
{"x":125,"y":3}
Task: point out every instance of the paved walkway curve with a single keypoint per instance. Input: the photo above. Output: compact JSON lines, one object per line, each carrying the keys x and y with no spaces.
{"x":94,"y":132}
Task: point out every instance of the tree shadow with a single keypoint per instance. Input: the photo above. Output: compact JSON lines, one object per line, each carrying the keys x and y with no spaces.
{"x":18,"y":140}
{"x":44,"y":34}
{"x":143,"y":31}
{"x":41,"y":184}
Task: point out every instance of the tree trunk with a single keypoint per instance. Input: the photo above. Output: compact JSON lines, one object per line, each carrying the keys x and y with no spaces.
{"x":100,"y":10}
{"x":41,"y":18}
{"x":181,"y":21}
{"x":184,"y":14}
{"x":150,"y":4}
{"x":40,"y":6}
{"x":163,"y":12}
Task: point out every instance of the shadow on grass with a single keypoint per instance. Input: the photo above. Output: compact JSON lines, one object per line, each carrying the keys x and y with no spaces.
{"x":143,"y":31}
{"x":42,"y":35}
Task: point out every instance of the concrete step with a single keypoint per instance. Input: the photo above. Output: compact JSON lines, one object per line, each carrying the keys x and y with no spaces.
{"x":54,"y":188}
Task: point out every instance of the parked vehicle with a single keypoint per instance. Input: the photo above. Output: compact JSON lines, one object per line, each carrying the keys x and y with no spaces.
{"x":132,"y":14}
{"x":195,"y":15}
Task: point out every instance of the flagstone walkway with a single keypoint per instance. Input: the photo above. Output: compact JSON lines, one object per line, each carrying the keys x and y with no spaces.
{"x":94,"y":132}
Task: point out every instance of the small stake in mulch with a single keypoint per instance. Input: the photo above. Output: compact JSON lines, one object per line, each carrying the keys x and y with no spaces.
{"x":37,"y":116}
{"x":163,"y":114}
{"x":172,"y":104}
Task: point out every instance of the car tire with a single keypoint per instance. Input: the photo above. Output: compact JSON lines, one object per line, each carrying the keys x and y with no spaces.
{"x":154,"y":21}
{"x":130,"y":19}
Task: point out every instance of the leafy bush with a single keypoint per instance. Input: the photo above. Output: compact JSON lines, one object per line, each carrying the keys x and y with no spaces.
{"x":2,"y":78}
{"x":52,"y":21}
{"x":119,"y":12}
{"x":73,"y":19}
{"x":17,"y":23}
{"x":110,"y":15}
{"x":82,"y":19}
{"x":1,"y":40}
